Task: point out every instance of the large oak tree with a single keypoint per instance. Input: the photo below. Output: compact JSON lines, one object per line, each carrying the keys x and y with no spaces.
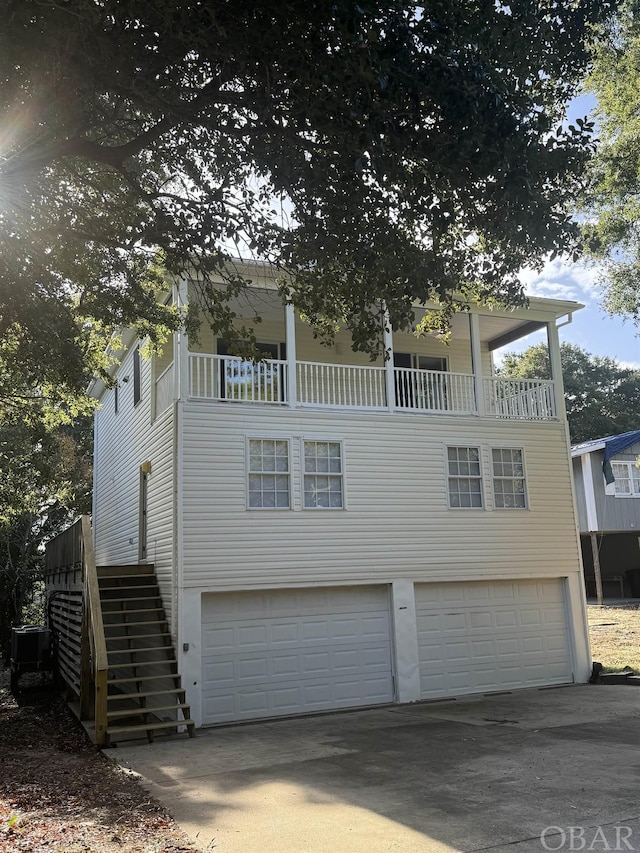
{"x":371,"y":150}
{"x":611,"y":203}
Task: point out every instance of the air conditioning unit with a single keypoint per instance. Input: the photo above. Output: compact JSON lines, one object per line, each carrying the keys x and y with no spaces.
{"x":30,"y":646}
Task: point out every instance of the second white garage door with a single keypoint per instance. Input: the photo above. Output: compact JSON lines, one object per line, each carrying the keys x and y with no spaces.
{"x":482,"y":637}
{"x":274,"y":652}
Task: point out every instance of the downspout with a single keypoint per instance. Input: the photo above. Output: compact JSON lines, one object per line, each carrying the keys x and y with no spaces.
{"x":181,"y":389}
{"x":96,"y":467}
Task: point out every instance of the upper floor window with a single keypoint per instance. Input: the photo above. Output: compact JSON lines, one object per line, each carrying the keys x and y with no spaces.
{"x":627,"y":479}
{"x":509,"y":487}
{"x":323,"y":475}
{"x":137,"y":391}
{"x":268,"y":467}
{"x":465,"y":478}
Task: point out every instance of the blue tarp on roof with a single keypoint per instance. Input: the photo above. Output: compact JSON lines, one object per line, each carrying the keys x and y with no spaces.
{"x":615,"y":444}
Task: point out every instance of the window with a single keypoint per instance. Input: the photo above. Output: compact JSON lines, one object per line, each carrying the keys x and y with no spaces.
{"x":115,"y":398}
{"x":627,"y":482}
{"x":268,"y":474}
{"x":137,"y":394}
{"x":509,"y":490}
{"x":419,"y":362}
{"x":465,"y":480}
{"x":323,"y":486}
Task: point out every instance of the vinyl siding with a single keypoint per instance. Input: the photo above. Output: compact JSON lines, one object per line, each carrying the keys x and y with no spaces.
{"x":457,"y":353}
{"x":620,"y":514}
{"x":123,"y":441}
{"x":397,"y":525}
{"x":581,"y":503}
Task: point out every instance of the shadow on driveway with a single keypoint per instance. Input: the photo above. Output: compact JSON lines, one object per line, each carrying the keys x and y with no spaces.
{"x":493,"y":773}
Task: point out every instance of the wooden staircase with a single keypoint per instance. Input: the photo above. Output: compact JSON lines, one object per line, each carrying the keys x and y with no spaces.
{"x":144,"y":693}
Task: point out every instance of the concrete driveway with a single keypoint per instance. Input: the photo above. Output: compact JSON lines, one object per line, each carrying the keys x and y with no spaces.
{"x":531,"y":771}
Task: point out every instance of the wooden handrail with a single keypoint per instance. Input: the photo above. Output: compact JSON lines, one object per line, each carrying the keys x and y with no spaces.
{"x":95,"y":629}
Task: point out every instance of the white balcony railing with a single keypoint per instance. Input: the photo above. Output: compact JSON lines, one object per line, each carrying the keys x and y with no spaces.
{"x":341,"y":385}
{"x":434,"y":391}
{"x":223,"y":377}
{"x":217,"y":377}
{"x":527,"y":399}
{"x":164,"y":390}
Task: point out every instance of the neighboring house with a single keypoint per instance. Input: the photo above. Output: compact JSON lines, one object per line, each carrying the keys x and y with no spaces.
{"x":331,"y":533}
{"x":607,"y":485}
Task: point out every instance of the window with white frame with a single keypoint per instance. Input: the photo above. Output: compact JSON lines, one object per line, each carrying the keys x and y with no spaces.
{"x":509,"y":485}
{"x":627,"y":479}
{"x":268,"y":471}
{"x":323,"y":475}
{"x":465,"y":478}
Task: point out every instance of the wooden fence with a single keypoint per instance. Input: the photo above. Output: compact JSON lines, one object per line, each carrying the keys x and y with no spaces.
{"x":75,"y":618}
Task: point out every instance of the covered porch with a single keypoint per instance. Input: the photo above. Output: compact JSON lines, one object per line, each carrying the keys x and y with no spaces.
{"x":419,"y":375}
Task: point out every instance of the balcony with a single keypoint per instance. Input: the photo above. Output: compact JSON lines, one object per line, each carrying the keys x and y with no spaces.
{"x":229,"y":379}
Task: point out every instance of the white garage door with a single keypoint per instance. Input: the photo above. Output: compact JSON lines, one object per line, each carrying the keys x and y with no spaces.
{"x":273,"y":652}
{"x":479,"y":637}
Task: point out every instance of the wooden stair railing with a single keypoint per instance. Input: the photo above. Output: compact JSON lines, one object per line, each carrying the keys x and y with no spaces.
{"x":99,"y":665}
{"x":112,"y":643}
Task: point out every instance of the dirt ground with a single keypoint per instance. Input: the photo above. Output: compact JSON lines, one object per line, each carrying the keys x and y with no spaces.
{"x":614,"y":634}
{"x":59,"y":793}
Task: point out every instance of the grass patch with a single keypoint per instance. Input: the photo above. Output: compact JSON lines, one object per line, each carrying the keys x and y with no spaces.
{"x":614,"y":633}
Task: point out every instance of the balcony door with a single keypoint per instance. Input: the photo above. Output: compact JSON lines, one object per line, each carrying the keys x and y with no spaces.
{"x":413,"y":390}
{"x":244,"y":380}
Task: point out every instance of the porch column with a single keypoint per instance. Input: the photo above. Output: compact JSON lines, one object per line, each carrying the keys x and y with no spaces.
{"x":476,"y":360}
{"x":290,"y":337}
{"x":405,"y":644}
{"x":553,"y":342}
{"x":390,"y":379}
{"x":181,"y":346}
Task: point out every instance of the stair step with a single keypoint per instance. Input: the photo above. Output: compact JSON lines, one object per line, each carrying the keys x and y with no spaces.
{"x":167,"y":648}
{"x":124,"y":570}
{"x":130,"y":598}
{"x":143,"y":577}
{"x":169,"y":724}
{"x":136,"y":712}
{"x":130,"y":588}
{"x":135,"y":679}
{"x":170,"y":690}
{"x":149,"y":636}
{"x":122,"y":612}
{"x":155,"y":622}
{"x":138,"y":664}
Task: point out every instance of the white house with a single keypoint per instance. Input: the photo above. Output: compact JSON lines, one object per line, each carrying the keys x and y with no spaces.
{"x":331,"y":533}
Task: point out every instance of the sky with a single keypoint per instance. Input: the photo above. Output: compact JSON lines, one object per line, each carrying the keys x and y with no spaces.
{"x":591,"y":328}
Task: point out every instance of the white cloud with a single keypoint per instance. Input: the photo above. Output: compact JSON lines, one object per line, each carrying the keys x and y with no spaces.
{"x":561,"y":280}
{"x":554,"y":290}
